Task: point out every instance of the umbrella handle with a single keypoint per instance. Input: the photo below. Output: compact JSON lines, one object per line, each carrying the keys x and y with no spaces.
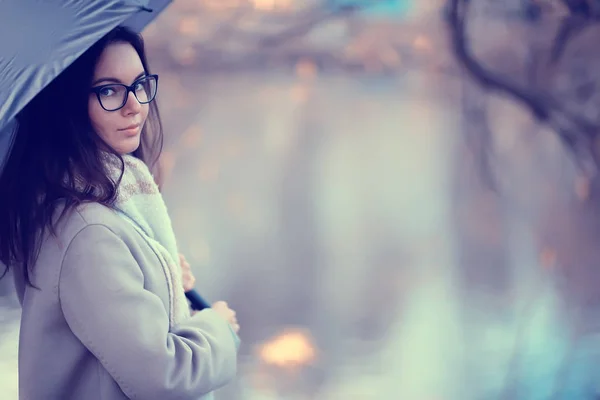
{"x":198,"y":303}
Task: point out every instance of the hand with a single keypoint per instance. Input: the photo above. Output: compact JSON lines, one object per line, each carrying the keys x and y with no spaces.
{"x":224,"y":311}
{"x":187,"y":277}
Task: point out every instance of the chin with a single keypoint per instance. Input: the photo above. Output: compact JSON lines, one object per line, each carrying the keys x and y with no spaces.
{"x":128,"y":145}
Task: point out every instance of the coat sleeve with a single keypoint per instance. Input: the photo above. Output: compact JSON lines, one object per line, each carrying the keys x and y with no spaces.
{"x":126,"y":327}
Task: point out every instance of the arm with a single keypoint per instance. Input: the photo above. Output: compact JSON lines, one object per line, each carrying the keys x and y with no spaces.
{"x":101,"y":289}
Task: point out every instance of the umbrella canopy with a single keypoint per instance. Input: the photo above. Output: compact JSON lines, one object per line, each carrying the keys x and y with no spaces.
{"x":40,"y":38}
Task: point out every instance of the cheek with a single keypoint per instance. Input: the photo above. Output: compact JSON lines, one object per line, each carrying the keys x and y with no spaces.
{"x":94,"y":112}
{"x":145,"y":110}
{"x":100,"y":119}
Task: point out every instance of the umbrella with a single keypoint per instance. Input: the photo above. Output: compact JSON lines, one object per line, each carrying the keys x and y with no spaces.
{"x":41,"y":38}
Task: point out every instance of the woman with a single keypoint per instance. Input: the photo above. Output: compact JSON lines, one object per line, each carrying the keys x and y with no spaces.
{"x":84,"y":226}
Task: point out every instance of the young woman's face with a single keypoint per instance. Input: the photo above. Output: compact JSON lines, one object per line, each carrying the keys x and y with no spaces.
{"x":120,"y":129}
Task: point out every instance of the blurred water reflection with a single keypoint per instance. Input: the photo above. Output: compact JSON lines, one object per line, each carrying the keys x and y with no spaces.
{"x":331,"y":213}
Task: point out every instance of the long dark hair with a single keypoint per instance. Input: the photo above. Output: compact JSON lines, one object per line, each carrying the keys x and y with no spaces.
{"x":54,"y":149}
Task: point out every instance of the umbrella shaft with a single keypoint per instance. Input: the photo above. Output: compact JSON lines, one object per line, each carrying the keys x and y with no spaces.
{"x":197,"y":301}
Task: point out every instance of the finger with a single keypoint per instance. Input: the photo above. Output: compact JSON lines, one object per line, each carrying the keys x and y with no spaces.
{"x":183,"y":261}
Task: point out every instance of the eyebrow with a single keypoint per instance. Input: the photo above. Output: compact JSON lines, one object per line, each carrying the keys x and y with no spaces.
{"x":115,"y":80}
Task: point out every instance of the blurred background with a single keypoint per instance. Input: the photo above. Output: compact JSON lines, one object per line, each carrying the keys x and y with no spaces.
{"x":384,"y":226}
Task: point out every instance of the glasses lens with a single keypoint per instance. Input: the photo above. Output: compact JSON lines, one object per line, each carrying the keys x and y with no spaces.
{"x":112,"y":96}
{"x":145,"y":89}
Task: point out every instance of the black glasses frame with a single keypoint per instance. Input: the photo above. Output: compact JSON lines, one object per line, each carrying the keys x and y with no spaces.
{"x":98,"y":89}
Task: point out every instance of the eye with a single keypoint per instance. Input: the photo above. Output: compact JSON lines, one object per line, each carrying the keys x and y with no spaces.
{"x":139,"y":86}
{"x":107,"y":92}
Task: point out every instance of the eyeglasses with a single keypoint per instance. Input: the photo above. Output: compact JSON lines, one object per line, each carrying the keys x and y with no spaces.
{"x":113,"y":97}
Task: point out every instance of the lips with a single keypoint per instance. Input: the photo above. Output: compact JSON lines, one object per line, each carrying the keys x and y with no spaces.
{"x":131,"y":130}
{"x":131,"y":127}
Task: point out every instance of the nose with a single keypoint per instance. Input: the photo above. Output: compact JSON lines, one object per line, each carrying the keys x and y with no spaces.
{"x":132,"y":106}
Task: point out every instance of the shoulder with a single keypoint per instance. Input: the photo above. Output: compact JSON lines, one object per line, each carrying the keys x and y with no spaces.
{"x":84,"y":228}
{"x":94,"y":214}
{"x":88,"y":217}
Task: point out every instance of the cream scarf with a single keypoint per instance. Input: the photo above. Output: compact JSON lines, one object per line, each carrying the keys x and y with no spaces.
{"x":140,"y":203}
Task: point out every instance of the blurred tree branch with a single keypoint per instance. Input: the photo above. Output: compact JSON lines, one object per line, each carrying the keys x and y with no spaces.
{"x":577,"y":133}
{"x":302,"y":21}
{"x":313,"y":18}
{"x":242,"y":33}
